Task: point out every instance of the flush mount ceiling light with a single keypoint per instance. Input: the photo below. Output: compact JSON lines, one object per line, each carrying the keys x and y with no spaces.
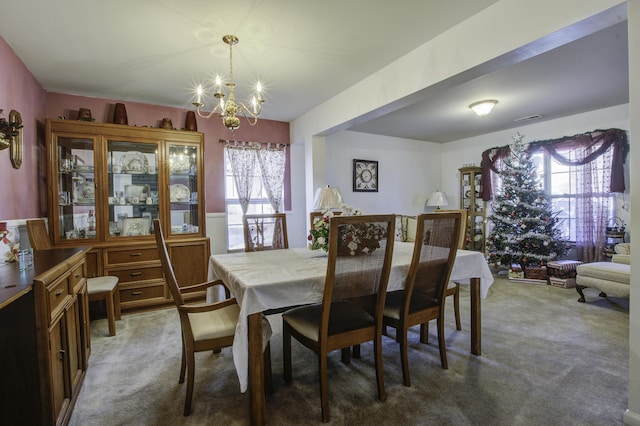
{"x":482,"y":108}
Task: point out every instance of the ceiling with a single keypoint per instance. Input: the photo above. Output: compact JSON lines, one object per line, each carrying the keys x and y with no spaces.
{"x":157,"y":51}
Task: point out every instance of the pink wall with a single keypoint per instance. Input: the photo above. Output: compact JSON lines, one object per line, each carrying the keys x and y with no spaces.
{"x":140,"y":114}
{"x":19,"y":90}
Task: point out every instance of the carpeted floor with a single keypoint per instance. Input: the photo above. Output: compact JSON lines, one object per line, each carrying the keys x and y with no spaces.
{"x":546,"y":359}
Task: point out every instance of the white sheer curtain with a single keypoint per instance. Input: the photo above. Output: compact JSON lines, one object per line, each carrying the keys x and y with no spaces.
{"x":593,"y":206}
{"x":272,"y":163}
{"x":271,"y":158}
{"x":242,"y":158}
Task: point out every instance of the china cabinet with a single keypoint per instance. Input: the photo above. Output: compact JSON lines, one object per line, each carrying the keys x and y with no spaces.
{"x":107,"y":182}
{"x":471,"y":201}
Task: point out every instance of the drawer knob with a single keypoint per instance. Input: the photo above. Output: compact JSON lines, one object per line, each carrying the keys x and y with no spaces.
{"x":59,"y":292}
{"x":135,"y":274}
{"x":135,"y":254}
{"x":136,"y":293}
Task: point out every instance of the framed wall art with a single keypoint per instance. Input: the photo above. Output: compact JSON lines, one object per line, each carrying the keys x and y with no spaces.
{"x":365,"y":176}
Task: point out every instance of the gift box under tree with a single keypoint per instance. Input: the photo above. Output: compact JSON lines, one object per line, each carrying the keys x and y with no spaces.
{"x":562,"y":273}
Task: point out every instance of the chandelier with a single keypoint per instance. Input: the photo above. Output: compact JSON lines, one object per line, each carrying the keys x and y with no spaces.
{"x":230,"y":109}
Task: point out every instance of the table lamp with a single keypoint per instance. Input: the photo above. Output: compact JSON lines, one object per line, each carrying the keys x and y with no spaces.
{"x":437,"y":199}
{"x":327,"y":198}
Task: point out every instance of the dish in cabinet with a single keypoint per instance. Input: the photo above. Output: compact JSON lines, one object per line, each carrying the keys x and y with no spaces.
{"x":134,"y":162}
{"x":136,"y":194}
{"x":84,"y":193}
{"x":180,"y":164}
{"x":179,"y":193}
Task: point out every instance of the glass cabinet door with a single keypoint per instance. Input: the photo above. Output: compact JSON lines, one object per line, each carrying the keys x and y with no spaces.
{"x":132,"y":179}
{"x":76,"y":189}
{"x":183,"y":188}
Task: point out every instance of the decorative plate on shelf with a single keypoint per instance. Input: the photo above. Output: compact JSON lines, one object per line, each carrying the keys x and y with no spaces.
{"x":134,"y":162}
{"x":179,"y":164}
{"x":179,"y":193}
{"x":84,"y":193}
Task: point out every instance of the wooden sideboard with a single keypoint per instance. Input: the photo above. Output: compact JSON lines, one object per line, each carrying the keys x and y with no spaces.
{"x":44,"y":337}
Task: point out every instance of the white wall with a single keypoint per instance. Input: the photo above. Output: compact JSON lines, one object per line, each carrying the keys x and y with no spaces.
{"x":408,"y":171}
{"x":632,"y":416}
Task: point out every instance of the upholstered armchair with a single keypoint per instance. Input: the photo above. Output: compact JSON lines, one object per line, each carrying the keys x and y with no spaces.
{"x":608,"y":277}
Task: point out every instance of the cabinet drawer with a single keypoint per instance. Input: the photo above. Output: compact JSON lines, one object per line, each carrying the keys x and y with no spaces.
{"x":141,"y":293}
{"x":118,"y":257}
{"x":57,"y":294}
{"x":138,"y":274}
{"x":75,"y":277}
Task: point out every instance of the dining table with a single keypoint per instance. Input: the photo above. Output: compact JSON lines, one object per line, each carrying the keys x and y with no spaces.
{"x":265,"y":281}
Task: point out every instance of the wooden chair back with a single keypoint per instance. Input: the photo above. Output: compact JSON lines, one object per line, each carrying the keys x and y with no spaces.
{"x":463,"y":225}
{"x":265,"y":232}
{"x":169,"y":273}
{"x":437,"y":238}
{"x":38,"y":235}
{"x":359,"y":264}
{"x":313,"y":218}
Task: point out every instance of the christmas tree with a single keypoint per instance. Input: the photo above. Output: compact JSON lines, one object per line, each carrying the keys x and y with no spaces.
{"x":525,"y":230}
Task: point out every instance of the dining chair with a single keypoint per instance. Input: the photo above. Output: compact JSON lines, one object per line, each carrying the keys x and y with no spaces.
{"x":453,"y":287}
{"x":358,"y":265}
{"x":265,"y":232}
{"x":205,"y":326}
{"x":423,"y":296}
{"x":98,"y":288}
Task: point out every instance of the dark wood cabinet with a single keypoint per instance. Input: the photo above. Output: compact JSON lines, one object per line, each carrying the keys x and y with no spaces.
{"x":44,"y":338}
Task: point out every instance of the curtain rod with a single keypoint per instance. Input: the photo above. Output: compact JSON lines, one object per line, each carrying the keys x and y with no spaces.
{"x":250,"y":142}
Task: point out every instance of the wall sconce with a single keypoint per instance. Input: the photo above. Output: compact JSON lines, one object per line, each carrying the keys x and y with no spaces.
{"x":482,"y":108}
{"x":11,"y":136}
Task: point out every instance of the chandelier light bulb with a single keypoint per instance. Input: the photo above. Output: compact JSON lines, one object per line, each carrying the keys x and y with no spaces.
{"x":199,"y":92}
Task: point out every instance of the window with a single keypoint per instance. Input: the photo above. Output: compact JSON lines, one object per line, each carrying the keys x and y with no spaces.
{"x":562,"y":184}
{"x":259,"y":204}
{"x":254,"y":184}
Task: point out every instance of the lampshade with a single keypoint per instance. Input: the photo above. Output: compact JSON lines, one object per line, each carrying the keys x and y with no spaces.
{"x":327,"y":198}
{"x":483,"y":108}
{"x":437,"y":199}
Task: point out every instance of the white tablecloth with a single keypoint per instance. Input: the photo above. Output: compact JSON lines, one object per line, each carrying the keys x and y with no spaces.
{"x":281,"y":278}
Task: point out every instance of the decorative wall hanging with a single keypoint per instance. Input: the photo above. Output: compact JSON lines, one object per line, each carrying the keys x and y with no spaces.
{"x":365,"y":176}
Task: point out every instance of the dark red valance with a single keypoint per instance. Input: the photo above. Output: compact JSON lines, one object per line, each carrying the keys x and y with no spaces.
{"x":615,"y":139}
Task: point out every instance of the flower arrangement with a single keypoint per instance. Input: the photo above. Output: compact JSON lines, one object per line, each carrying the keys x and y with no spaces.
{"x":319,"y":234}
{"x":355,"y":239}
{"x":8,"y":238}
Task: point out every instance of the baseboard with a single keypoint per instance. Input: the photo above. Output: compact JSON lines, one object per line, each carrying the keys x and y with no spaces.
{"x":528,"y":281}
{"x":630,"y":418}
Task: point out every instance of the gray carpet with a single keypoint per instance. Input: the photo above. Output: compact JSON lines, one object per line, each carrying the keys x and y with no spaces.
{"x":546,"y":359}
